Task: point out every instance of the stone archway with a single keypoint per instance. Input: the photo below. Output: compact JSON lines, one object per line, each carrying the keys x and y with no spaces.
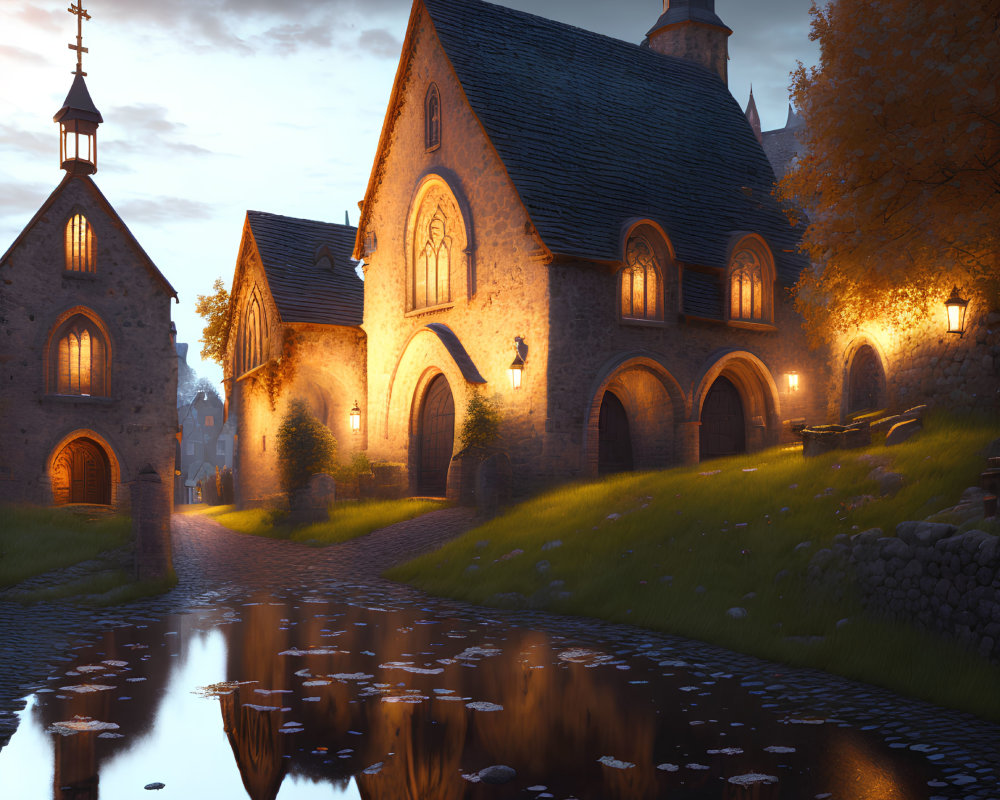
{"x":435,"y":438}
{"x":865,"y":389}
{"x":736,"y":388}
{"x":81,"y":473}
{"x":632,"y":418}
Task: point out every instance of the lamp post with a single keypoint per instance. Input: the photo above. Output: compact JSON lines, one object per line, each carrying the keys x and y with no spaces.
{"x":355,"y":418}
{"x":957,"y":307}
{"x":793,"y":381}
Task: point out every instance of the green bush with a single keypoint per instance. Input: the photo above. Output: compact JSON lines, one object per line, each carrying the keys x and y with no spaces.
{"x":481,"y":427}
{"x":348,"y":472}
{"x":224,"y":483}
{"x":305,"y":447}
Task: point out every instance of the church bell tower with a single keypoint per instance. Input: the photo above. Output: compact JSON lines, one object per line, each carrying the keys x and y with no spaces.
{"x":78,"y":118}
{"x":691,"y":29}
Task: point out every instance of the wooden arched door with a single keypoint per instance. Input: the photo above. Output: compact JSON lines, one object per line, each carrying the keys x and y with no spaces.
{"x":436,"y":438}
{"x":82,"y":474}
{"x":614,"y":453}
{"x":723,"y":427}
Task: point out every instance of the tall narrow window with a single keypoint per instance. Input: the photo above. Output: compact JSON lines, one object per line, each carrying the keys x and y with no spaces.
{"x":432,"y":118}
{"x":254,"y":335}
{"x":640,"y":282}
{"x":81,"y":245}
{"x":746,"y":288}
{"x":79,"y":359}
{"x":432,"y":275}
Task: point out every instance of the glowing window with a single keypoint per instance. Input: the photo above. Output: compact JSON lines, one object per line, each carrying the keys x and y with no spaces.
{"x":81,"y":245}
{"x":432,"y":270}
{"x":209,"y":420}
{"x":640,"y":282}
{"x":79,"y":359}
{"x":254,"y":344}
{"x":747,"y":296}
{"x":432,"y":118}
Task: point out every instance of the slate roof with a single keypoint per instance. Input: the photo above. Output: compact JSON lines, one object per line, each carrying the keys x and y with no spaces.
{"x":594,"y":131}
{"x":78,"y":104}
{"x":782,"y":145}
{"x":702,"y":295}
{"x":304,"y":290}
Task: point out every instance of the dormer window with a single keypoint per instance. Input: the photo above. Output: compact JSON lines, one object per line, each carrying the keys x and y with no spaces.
{"x":751,"y":280}
{"x":641,"y":283}
{"x":432,"y":118}
{"x":81,"y":245}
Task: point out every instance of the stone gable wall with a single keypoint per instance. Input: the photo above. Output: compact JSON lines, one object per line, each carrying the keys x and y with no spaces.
{"x":500,"y":292}
{"x":139,"y":420}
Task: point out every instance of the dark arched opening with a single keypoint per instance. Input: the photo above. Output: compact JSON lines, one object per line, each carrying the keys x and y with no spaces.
{"x":866,"y":381}
{"x":614,"y":449}
{"x":723,"y":426}
{"x":436,"y":438}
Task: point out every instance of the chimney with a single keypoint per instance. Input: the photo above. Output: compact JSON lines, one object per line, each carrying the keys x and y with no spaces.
{"x":690,"y":29}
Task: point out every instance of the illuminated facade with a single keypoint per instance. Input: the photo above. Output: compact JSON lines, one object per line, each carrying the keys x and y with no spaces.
{"x":89,"y":374}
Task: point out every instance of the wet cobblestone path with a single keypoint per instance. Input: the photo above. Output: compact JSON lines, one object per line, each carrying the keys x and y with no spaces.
{"x":216,"y":566}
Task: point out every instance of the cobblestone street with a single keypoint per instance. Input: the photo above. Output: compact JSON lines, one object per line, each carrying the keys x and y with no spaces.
{"x":216,"y":566}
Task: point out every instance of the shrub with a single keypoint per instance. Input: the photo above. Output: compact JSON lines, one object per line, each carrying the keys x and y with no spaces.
{"x":481,"y":427}
{"x":305,"y":447}
{"x":209,"y":490}
{"x":224,"y":481}
{"x":348,"y":472}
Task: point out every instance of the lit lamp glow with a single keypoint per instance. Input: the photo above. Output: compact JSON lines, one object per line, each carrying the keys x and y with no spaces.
{"x":355,"y":418}
{"x":956,"y":312}
{"x":517,"y":365}
{"x":793,"y":381}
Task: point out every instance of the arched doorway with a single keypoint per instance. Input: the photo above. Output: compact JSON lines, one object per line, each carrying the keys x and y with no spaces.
{"x":866,"y":381}
{"x":723,"y":425}
{"x":81,"y":473}
{"x":436,"y":438}
{"x":614,"y":448}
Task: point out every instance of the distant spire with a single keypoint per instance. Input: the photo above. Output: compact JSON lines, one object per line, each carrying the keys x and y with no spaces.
{"x":753,"y":117}
{"x":794,"y":120}
{"x":347,"y":218}
{"x":81,"y":15}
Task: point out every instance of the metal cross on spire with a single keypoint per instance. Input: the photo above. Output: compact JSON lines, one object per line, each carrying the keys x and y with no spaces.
{"x":81,"y":14}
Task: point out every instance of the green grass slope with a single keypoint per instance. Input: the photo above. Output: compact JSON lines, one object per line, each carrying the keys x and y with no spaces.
{"x":674,"y":550}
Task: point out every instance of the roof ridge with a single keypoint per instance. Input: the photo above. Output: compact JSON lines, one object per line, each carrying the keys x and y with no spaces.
{"x":300,"y":219}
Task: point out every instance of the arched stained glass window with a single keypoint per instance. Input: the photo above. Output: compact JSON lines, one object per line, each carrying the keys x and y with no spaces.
{"x":432,"y":118}
{"x":747,"y":296}
{"x":253,"y":349}
{"x":641,"y":282}
{"x":432,"y":271}
{"x":81,"y":245}
{"x":79,"y":359}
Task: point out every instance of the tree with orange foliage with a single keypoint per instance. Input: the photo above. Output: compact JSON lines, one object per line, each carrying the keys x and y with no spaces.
{"x":900,"y":179}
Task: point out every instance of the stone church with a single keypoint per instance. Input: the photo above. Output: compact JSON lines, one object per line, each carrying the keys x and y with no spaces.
{"x":584,"y":230}
{"x":86,"y":352}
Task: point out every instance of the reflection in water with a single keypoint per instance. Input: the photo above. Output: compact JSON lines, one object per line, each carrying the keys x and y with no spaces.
{"x":282,"y":700}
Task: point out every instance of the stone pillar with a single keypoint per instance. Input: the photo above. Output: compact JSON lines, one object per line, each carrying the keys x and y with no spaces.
{"x":689,"y":442}
{"x":151,"y":525}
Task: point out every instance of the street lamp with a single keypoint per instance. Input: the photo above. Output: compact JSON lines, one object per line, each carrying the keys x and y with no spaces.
{"x":517,"y":365}
{"x":355,"y":418}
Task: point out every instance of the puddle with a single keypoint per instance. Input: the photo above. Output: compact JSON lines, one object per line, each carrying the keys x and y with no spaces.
{"x":320,"y":699}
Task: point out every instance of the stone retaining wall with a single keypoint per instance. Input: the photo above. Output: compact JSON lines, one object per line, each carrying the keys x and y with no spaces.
{"x":927,"y":574}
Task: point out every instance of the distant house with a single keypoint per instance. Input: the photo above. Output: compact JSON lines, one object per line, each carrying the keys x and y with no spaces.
{"x":206,"y":442}
{"x":88,"y":368}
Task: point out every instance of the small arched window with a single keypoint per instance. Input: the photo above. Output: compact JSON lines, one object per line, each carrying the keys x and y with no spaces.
{"x":79,"y":359}
{"x":432,"y":118}
{"x":750,"y":280}
{"x":641,"y":283}
{"x":254,"y":335}
{"x":81,"y":245}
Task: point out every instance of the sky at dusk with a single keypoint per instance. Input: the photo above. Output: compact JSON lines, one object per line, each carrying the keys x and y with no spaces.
{"x":214,"y":107}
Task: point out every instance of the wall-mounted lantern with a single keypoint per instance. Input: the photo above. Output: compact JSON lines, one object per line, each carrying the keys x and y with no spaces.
{"x":793,"y":381}
{"x":517,"y":365}
{"x":355,"y":418}
{"x":956,"y":312}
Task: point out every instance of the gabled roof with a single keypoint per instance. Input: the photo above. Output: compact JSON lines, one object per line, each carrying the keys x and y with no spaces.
{"x":594,"y":131}
{"x":108,"y":209}
{"x":303,"y":287}
{"x":782,"y":145}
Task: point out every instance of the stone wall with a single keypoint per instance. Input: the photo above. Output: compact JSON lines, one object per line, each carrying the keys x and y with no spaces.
{"x":925,"y":364}
{"x":928,"y":574}
{"x":137,"y":422}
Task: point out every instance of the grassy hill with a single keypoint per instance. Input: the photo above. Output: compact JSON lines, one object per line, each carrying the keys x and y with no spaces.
{"x":675,"y":550}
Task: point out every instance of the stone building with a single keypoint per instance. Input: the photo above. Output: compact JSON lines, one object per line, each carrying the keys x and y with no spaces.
{"x":294,"y":332}
{"x":88,"y":363}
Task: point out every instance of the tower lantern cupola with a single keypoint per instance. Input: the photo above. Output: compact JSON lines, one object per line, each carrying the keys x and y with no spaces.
{"x":692,"y":30}
{"x":78,"y":118}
